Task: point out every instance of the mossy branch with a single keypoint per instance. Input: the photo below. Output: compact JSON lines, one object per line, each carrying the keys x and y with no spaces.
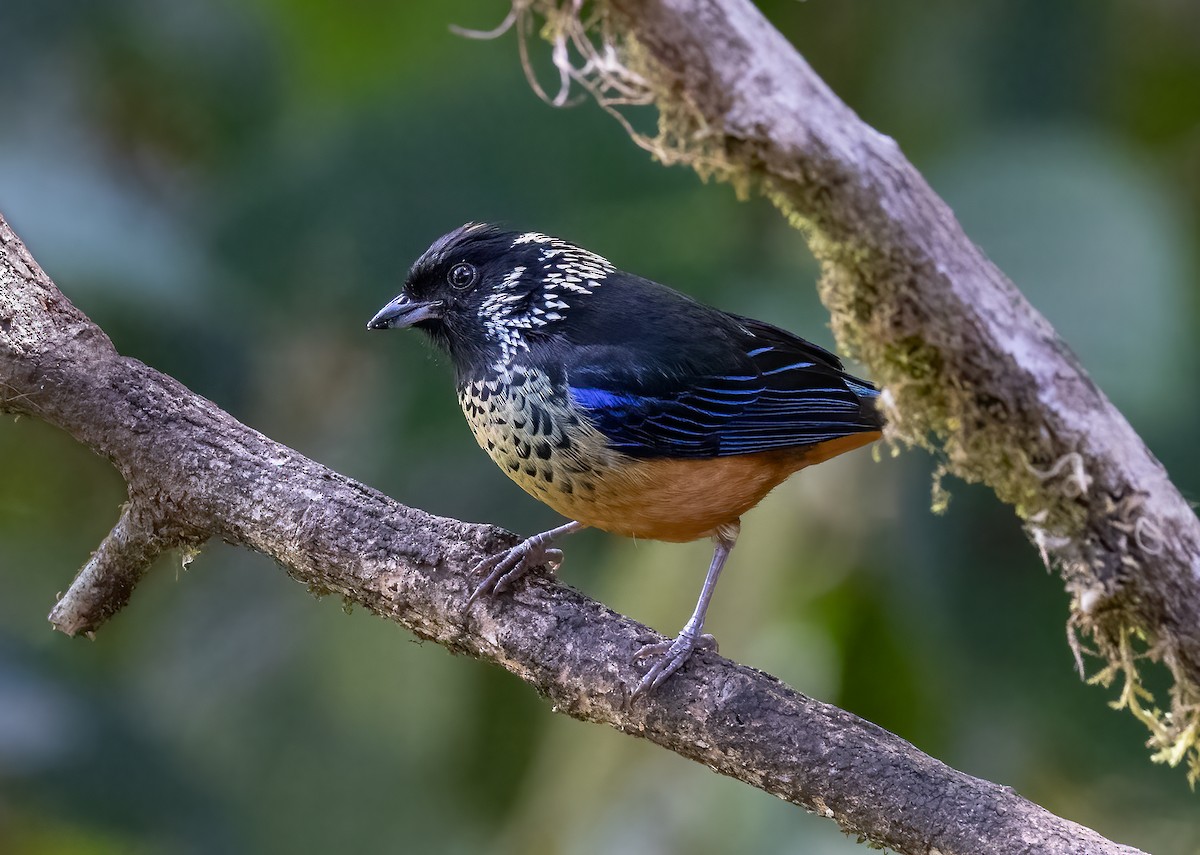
{"x":968,"y":367}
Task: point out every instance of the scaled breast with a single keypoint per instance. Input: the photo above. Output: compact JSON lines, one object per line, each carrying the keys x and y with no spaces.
{"x":527,"y":427}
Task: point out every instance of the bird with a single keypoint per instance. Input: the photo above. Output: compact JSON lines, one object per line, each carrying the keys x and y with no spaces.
{"x":621,"y":403}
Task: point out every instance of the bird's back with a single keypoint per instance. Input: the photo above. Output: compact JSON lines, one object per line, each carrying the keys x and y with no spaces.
{"x":651,"y":415}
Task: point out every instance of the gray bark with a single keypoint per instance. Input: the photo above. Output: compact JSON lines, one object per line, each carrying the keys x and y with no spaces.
{"x":195,"y":472}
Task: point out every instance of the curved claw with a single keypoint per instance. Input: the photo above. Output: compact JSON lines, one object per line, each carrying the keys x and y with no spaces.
{"x":506,"y":567}
{"x":503,"y":569}
{"x":534,"y":556}
{"x":671,"y":657}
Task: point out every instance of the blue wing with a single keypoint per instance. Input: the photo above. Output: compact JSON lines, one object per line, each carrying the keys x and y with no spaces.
{"x":765,"y":389}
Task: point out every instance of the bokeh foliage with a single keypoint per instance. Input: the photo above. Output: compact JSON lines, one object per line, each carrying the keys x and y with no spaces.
{"x":232,"y":189}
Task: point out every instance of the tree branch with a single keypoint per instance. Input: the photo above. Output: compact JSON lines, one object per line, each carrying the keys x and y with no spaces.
{"x":104,"y":585}
{"x":967,"y":365}
{"x":195,"y":472}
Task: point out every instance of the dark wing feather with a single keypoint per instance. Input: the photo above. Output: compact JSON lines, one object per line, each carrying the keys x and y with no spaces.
{"x":761,"y":389}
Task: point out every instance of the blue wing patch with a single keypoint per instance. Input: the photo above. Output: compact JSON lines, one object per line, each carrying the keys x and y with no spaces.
{"x":601,"y":399}
{"x":688,"y":381}
{"x":799,"y":403}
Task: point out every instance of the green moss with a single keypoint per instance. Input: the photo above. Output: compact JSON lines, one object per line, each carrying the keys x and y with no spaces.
{"x":982,"y":435}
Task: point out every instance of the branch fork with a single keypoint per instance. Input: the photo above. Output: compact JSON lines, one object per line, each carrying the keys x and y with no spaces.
{"x":106,"y":582}
{"x":195,"y":472}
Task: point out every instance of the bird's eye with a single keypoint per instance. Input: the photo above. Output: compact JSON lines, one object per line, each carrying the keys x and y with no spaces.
{"x":462,"y":276}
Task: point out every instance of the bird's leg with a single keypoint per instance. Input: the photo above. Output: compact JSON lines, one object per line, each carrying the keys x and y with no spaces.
{"x":672,"y":654}
{"x":506,"y":567}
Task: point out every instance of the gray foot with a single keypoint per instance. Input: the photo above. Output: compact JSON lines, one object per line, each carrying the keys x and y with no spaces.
{"x":504,"y":568}
{"x":671,"y":657}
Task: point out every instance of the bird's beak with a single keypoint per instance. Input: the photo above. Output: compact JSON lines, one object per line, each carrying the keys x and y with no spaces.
{"x":403,"y":312}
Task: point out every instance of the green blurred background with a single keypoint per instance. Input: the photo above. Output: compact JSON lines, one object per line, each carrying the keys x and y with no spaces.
{"x":232,"y":189}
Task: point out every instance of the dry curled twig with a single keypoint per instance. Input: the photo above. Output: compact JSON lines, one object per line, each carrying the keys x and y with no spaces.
{"x":582,"y":54}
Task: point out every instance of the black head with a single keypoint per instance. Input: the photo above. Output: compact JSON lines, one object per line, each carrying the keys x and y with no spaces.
{"x":485,"y":294}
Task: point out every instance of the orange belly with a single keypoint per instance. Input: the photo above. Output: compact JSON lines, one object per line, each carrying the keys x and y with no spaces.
{"x":680,"y":500}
